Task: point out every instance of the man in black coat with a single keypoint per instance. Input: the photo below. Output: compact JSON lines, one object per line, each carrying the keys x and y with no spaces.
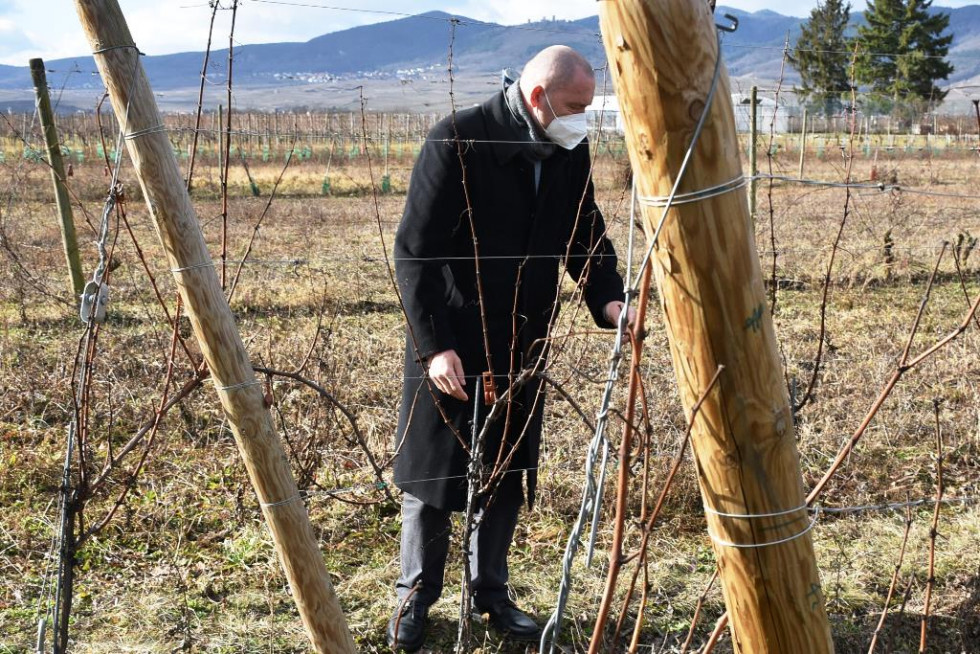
{"x":499,"y":199}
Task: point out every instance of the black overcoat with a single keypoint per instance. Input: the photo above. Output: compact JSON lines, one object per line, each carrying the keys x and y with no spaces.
{"x":523,"y":237}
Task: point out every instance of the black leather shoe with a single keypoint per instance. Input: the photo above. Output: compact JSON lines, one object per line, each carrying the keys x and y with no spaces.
{"x":505,"y":617}
{"x":406,"y":629}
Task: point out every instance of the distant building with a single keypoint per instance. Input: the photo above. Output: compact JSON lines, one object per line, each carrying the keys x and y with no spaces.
{"x":766,"y":110}
{"x":607,"y":106}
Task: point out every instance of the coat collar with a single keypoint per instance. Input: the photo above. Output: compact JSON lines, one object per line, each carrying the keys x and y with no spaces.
{"x":504,"y":132}
{"x":507,"y":137}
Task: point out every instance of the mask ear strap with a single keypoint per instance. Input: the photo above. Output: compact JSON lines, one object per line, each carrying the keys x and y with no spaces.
{"x":548,"y":100}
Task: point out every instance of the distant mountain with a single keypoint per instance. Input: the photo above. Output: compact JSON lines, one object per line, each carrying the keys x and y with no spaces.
{"x":416,"y":49}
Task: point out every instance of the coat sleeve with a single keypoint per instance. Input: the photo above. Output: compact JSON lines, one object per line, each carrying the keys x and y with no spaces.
{"x":592,"y":261}
{"x":434,"y":209}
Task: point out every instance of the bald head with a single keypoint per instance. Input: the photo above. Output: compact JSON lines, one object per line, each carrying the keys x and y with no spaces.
{"x":557,"y":81}
{"x":557,"y":65}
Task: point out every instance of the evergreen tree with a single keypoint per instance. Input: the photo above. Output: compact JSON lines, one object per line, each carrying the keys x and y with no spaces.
{"x":902,"y":50}
{"x":821,"y":56}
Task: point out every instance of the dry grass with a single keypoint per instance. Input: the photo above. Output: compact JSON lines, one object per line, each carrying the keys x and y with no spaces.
{"x":187,"y":565}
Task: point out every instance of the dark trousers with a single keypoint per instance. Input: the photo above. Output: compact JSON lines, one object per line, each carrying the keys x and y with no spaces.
{"x":425,"y":545}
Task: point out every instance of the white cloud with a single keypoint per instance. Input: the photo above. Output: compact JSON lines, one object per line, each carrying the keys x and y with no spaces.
{"x":13,"y":41}
{"x":165,"y":26}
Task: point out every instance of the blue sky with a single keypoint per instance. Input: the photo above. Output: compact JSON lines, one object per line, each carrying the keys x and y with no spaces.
{"x":49,"y":28}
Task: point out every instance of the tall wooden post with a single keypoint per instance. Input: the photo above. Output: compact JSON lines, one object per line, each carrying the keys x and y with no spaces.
{"x":663,"y":54}
{"x":240,"y":393}
{"x":58,"y":176}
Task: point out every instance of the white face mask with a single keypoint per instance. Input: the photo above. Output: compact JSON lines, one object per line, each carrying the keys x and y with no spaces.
{"x":566,"y":131}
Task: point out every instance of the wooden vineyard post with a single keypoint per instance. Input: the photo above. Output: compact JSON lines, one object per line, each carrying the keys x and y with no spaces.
{"x":240,"y":393}
{"x":802,"y":144}
{"x":753,"y":146}
{"x":662,"y":54}
{"x":58,"y":176}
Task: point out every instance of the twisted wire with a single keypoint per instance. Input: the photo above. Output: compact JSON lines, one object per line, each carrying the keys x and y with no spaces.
{"x":549,"y":634}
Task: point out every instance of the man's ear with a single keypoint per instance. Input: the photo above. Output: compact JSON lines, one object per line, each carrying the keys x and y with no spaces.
{"x":535,"y":96}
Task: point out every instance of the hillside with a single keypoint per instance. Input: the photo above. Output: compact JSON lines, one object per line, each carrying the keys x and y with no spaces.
{"x":414,"y":52}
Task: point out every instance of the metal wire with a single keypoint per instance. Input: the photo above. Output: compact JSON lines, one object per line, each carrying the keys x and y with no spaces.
{"x":724,"y":543}
{"x":244,"y":384}
{"x":591,"y":492}
{"x":130,"y":46}
{"x":474,"y":480}
{"x":865,"y":185}
{"x":597,"y":504}
{"x":550,"y":633}
{"x":272,"y":505}
{"x":67,"y":493}
{"x":696,"y":196}
{"x":895,"y":506}
{"x":149,"y":130}
{"x":195,"y":266}
{"x":775,"y":514}
{"x":825,"y":510}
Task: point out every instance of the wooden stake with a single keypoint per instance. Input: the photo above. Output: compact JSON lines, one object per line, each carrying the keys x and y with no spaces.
{"x":662,"y":55}
{"x":240,"y":394}
{"x":58,"y":176}
{"x":223,"y":150}
{"x":802,"y":144}
{"x":753,"y":143}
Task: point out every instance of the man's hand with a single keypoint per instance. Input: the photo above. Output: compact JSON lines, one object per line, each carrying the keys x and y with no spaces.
{"x":446,"y":372}
{"x":615,"y":308}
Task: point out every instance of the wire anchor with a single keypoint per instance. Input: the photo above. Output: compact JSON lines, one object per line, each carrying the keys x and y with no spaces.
{"x":95,"y":294}
{"x":95,"y":299}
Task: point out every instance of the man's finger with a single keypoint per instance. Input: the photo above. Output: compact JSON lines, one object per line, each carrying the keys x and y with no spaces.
{"x":449,"y":385}
{"x":452,"y":386}
{"x":456,"y":391}
{"x":440,"y":384}
{"x":459,"y":380}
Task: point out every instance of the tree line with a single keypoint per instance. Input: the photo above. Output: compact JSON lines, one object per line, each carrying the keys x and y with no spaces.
{"x":896,"y":57}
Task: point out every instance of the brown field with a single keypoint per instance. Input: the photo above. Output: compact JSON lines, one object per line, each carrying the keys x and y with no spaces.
{"x":186,"y":563}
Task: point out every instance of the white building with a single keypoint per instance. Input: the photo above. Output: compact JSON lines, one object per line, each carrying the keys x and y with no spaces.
{"x":607,"y":106}
{"x":766,"y":110}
